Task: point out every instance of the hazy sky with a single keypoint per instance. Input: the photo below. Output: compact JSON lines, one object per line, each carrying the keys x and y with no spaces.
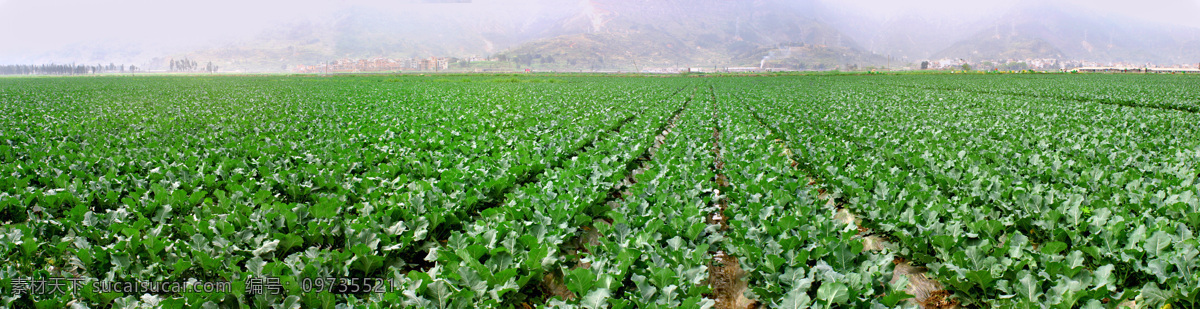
{"x":34,"y":27}
{"x":1180,"y":12}
{"x":165,"y":25}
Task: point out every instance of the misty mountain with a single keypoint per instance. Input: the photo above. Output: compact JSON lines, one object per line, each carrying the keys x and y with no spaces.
{"x":628,"y":34}
{"x":677,"y":33}
{"x":907,"y":37}
{"x":1056,"y":31}
{"x":600,"y":34}
{"x":425,"y":30}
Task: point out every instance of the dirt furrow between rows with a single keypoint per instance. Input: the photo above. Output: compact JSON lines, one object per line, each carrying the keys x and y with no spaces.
{"x":554,"y":284}
{"x":499,"y":198}
{"x":726,"y":276}
{"x":927,"y":293}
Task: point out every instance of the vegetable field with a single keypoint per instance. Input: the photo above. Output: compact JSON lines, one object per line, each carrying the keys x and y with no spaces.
{"x":940,"y":191}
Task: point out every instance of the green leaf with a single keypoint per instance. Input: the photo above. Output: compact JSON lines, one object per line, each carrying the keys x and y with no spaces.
{"x":646,"y":290}
{"x":536,"y":254}
{"x":894,"y":298}
{"x":580,"y":280}
{"x":598,"y":298}
{"x":1053,"y":247}
{"x":267,"y":247}
{"x":503,"y":275}
{"x":442,"y":292}
{"x":1104,"y":277}
{"x":788,"y":223}
{"x":981,"y":277}
{"x":795,"y":299}
{"x":697,"y":302}
{"x":119,"y":259}
{"x":833,"y":293}
{"x":696,"y":229}
{"x":287,"y":241}
{"x":1154,"y":296}
{"x":472,"y":281}
{"x":499,"y":291}
{"x":943,"y":241}
{"x":1157,"y":243}
{"x":291,"y":302}
{"x":662,"y":277}
{"x":618,"y":303}
{"x":1029,"y":288}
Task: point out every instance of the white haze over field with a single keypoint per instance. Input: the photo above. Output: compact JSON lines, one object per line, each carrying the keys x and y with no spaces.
{"x":36,"y":31}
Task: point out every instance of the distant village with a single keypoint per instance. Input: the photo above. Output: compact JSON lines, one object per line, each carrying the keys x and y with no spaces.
{"x":1055,"y":65}
{"x":377,"y":65}
{"x":435,"y":64}
{"x":502,"y":64}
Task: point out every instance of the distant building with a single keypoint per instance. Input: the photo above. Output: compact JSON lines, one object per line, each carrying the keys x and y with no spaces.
{"x":943,"y":64}
{"x":1136,"y":70}
{"x":745,"y":69}
{"x":376,"y":65}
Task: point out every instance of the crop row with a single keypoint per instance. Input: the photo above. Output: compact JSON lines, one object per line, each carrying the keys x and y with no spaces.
{"x":230,"y":178}
{"x":796,"y":254}
{"x":1014,"y":191}
{"x":1154,"y":91}
{"x":1002,"y":195}
{"x":521,"y":245}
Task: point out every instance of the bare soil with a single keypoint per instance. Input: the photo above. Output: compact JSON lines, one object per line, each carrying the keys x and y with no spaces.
{"x":926,"y":292}
{"x":725,"y":276}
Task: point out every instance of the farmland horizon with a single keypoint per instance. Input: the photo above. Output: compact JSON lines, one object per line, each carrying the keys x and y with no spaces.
{"x":733,"y":190}
{"x":595,"y":154}
{"x":607,"y":35}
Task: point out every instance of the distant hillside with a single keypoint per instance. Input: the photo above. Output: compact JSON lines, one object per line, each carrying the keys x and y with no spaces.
{"x":1002,"y":47}
{"x":629,"y":34}
{"x":1053,"y":31}
{"x":598,"y":34}
{"x":910,"y":37}
{"x":676,"y":33}
{"x":427,"y":30}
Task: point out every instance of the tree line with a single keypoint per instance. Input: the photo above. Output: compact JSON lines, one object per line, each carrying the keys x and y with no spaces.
{"x":65,"y":69}
{"x":183,"y":65}
{"x":186,"y":65}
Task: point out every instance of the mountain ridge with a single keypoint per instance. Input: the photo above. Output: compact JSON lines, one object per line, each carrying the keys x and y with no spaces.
{"x":636,"y":34}
{"x":1051,"y":30}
